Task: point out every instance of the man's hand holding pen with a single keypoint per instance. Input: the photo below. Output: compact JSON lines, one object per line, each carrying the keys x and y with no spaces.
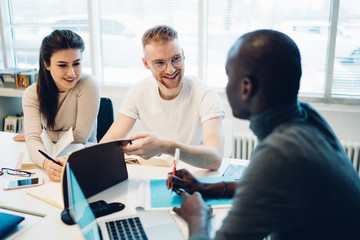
{"x":184,"y":180}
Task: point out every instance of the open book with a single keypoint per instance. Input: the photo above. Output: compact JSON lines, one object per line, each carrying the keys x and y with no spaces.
{"x":59,"y":149}
{"x":62,"y":147}
{"x":164,"y":160}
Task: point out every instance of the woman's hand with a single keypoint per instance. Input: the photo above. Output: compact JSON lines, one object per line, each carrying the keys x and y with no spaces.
{"x":19,"y":138}
{"x":53,"y":170}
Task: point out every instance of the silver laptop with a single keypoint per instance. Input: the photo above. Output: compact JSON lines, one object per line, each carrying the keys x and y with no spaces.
{"x":145,"y":225}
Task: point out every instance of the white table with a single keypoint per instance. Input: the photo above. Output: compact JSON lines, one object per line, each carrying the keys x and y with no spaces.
{"x":51,"y":226}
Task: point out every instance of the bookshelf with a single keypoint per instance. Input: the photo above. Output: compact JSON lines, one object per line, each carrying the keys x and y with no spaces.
{"x":11,"y":92}
{"x":10,"y":103}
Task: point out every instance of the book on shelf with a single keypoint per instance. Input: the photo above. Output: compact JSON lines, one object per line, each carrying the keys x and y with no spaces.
{"x":25,"y":78}
{"x":8,"y":77}
{"x":10,"y":124}
{"x":14,"y":124}
{"x":20,"y":123}
{"x":17,"y":77}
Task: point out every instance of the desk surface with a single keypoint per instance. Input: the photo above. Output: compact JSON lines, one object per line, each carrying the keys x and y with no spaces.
{"x":51,"y":226}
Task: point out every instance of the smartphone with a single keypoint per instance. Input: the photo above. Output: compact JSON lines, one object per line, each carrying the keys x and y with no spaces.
{"x":23,"y":183}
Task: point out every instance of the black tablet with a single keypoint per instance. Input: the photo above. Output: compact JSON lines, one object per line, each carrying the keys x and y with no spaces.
{"x":97,"y":168}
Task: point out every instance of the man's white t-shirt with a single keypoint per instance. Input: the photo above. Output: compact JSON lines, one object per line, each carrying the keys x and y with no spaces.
{"x":179,"y":119}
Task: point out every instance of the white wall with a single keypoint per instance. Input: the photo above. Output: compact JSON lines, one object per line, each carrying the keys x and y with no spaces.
{"x":344,"y":119}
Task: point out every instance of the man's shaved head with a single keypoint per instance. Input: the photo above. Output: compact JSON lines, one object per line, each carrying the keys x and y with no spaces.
{"x":271,"y":60}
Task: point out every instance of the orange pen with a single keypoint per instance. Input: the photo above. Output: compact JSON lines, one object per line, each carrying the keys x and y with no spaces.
{"x":176,"y":160}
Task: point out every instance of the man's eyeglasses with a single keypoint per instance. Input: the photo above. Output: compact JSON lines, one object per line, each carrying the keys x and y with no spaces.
{"x":11,"y":171}
{"x":161,"y":65}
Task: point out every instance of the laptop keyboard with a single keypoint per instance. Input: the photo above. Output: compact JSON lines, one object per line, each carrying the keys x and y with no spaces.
{"x":130,"y":228}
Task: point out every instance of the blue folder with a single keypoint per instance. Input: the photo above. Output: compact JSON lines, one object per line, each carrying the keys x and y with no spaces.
{"x":160,"y":196}
{"x":7,"y":222}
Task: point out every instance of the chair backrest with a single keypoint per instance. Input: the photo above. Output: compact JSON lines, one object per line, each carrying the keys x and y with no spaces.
{"x":105,"y":117}
{"x":228,"y":137}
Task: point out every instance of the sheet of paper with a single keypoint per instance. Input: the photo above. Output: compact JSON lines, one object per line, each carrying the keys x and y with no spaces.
{"x":160,"y":196}
{"x":141,"y":196}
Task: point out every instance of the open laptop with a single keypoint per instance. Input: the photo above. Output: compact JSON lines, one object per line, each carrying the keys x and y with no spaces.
{"x":145,"y":225}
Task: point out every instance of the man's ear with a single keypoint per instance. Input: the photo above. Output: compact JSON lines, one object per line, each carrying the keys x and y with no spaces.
{"x":246,"y":88}
{"x":182,"y":52}
{"x":146,"y":64}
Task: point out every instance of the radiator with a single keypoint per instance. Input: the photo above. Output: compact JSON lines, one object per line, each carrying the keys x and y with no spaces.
{"x":352,"y":149}
{"x":244,"y":144}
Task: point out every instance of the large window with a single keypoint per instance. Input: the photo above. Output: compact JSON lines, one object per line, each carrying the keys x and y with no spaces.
{"x":306,"y":22}
{"x":326,"y":31}
{"x":346,"y":77}
{"x":1,"y":56}
{"x":123,"y":24}
{"x":30,"y":21}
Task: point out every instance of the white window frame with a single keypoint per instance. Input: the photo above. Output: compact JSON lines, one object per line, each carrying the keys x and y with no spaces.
{"x":96,"y":59}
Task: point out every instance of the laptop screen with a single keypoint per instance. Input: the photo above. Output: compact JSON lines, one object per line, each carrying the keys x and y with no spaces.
{"x":79,"y":207}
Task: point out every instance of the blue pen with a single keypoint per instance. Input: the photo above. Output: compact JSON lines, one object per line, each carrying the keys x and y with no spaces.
{"x":50,"y":158}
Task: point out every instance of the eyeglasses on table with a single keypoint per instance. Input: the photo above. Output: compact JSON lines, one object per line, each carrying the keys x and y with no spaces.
{"x":14,"y":172}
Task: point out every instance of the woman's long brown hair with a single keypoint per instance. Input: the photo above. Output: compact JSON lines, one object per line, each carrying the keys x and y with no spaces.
{"x":47,"y":90}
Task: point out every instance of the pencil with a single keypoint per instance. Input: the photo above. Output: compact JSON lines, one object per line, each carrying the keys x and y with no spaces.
{"x":50,"y":158}
{"x":21,"y":210}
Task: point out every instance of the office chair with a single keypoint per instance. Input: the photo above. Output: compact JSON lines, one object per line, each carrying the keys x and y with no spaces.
{"x":105,"y":117}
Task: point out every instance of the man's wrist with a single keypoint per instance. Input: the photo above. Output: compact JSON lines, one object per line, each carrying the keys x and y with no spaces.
{"x":198,"y":224}
{"x":214,"y":190}
{"x":167,"y":146}
{"x":209,"y":190}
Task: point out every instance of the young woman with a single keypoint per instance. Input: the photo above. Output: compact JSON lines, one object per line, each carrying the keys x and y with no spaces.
{"x":62,"y":98}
